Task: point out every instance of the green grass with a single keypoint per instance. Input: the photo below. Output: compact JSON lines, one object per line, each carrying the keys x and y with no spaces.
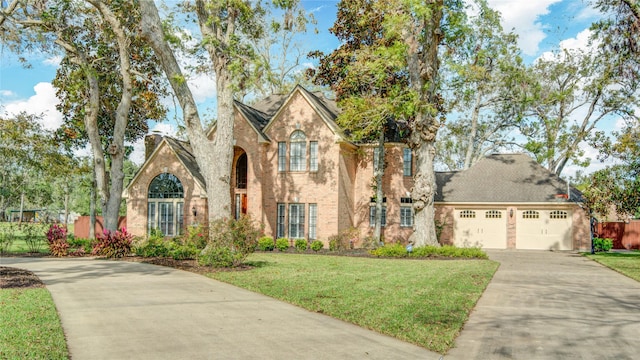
{"x":29,"y":326}
{"x":421,"y":302}
{"x":26,"y":238}
{"x":626,"y":263}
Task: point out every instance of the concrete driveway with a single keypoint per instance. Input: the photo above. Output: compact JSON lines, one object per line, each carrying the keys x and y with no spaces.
{"x":552,"y":305}
{"x":121,"y":310}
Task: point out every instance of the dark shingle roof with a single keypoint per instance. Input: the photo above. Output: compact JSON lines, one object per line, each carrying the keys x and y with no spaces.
{"x":502,"y":178}
{"x":185,"y":153}
{"x":257,"y":118}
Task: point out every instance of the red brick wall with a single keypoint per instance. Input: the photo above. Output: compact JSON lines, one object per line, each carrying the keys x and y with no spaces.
{"x":82,"y":225}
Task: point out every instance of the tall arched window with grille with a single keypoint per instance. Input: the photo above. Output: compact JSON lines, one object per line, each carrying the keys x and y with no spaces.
{"x":165,"y":205}
{"x":298,"y":151}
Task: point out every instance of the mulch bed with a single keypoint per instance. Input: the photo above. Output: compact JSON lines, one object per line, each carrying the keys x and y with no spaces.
{"x":12,"y":278}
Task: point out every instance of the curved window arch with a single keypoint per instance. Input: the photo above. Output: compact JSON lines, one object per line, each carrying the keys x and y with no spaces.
{"x":166,"y":186}
{"x":241,"y":171}
{"x":298,"y":151}
{"x":165,"y":205}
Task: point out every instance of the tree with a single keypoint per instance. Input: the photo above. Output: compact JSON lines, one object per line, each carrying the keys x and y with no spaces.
{"x":226,"y":26}
{"x":367,"y":75}
{"x":565,"y":97}
{"x":481,"y":67}
{"x":30,"y":162}
{"x":89,"y":35}
{"x":278,"y":53}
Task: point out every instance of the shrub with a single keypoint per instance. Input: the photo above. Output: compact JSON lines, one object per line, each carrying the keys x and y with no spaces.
{"x":344,"y":240}
{"x":113,"y":243}
{"x":196,"y":236}
{"x":179,"y":251}
{"x":154,"y":246}
{"x":7,"y":237}
{"x":390,"y":250}
{"x":232,"y":241}
{"x":282,"y":244}
{"x":600,"y":244}
{"x":316,"y":245}
{"x":33,"y":236}
{"x":266,"y":243}
{"x":57,"y":239}
{"x":80,"y":243}
{"x":301,"y":245}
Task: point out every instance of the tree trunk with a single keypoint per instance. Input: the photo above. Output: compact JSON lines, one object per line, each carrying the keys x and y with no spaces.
{"x":214,"y":163}
{"x":21,"y":208}
{"x":422,"y":39}
{"x":66,"y":205}
{"x":473,"y":133}
{"x":92,"y":209}
{"x":378,"y":174}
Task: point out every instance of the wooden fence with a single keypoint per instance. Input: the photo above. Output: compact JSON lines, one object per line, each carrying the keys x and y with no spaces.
{"x":81,"y":226}
{"x":624,"y":235}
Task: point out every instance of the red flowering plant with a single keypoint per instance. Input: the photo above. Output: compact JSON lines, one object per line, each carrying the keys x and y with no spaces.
{"x":113,"y":243}
{"x":57,"y":239}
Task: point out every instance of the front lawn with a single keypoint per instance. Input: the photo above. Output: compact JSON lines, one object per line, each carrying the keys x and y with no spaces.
{"x":29,"y":325}
{"x":626,"y":263}
{"x":425,"y":302}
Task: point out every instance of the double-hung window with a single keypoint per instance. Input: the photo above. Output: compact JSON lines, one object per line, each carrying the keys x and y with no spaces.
{"x":313,"y":156}
{"x":296,"y":221}
{"x":313,"y":221}
{"x":298,"y":151}
{"x":407,"y":162}
{"x":281,"y":221}
{"x":165,"y":205}
{"x":282,"y":156}
{"x":406,"y":212}
{"x":372,"y":216}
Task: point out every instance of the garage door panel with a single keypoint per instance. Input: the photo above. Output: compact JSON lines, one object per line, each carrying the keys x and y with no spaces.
{"x":543,"y":230}
{"x":483,"y":228}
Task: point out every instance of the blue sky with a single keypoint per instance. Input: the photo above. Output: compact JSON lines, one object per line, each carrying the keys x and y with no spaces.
{"x":542,"y":25}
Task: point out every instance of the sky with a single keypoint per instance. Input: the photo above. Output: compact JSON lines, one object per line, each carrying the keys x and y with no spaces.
{"x":542,"y":25}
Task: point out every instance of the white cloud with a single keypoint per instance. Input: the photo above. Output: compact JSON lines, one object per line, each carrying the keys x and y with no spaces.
{"x":53,"y":61}
{"x":203,"y":87}
{"x":580,"y":42}
{"x":7,"y":93}
{"x":42,"y":103}
{"x":137,"y":155}
{"x":523,"y":17}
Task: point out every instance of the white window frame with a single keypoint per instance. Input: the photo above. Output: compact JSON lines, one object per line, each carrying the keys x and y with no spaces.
{"x":298,"y":151}
{"x":407,"y":162}
{"x":313,"y":156}
{"x":313,"y":221}
{"x":282,"y":156}
{"x":296,"y":221}
{"x":281,"y":220}
{"x":406,"y":216}
{"x":372,"y":216}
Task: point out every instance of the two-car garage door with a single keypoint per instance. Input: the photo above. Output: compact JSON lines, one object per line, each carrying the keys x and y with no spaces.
{"x":534,"y":229}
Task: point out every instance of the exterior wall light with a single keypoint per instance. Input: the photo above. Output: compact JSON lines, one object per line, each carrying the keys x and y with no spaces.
{"x":510,"y":212}
{"x":194,"y":211}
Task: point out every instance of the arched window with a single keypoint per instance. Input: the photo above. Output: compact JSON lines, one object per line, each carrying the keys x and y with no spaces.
{"x":165,"y":205}
{"x":298,"y":151}
{"x":241,"y":172}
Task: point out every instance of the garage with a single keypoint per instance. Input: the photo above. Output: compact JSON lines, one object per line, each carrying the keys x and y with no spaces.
{"x":538,"y":229}
{"x":486,"y":228}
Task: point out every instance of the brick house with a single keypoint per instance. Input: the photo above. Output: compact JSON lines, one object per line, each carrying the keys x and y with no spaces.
{"x":295,"y":171}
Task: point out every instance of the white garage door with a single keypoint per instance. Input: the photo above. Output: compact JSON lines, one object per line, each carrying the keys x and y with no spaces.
{"x":484,"y":228}
{"x":543,"y":230}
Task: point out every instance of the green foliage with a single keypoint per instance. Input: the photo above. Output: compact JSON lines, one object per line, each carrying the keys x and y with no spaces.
{"x":266,"y":243}
{"x":7,"y":237}
{"x":301,"y":245}
{"x":80,"y":243}
{"x":181,"y":251}
{"x":113,"y":244}
{"x":400,"y":251}
{"x":197,"y":236}
{"x":602,"y":245}
{"x":316,"y":245}
{"x":232,"y":241}
{"x":344,"y":240}
{"x":34,"y":236}
{"x":153,"y":246}
{"x":282,"y":244}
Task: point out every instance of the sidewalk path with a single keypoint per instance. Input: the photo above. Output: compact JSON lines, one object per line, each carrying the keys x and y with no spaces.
{"x":125,"y":310}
